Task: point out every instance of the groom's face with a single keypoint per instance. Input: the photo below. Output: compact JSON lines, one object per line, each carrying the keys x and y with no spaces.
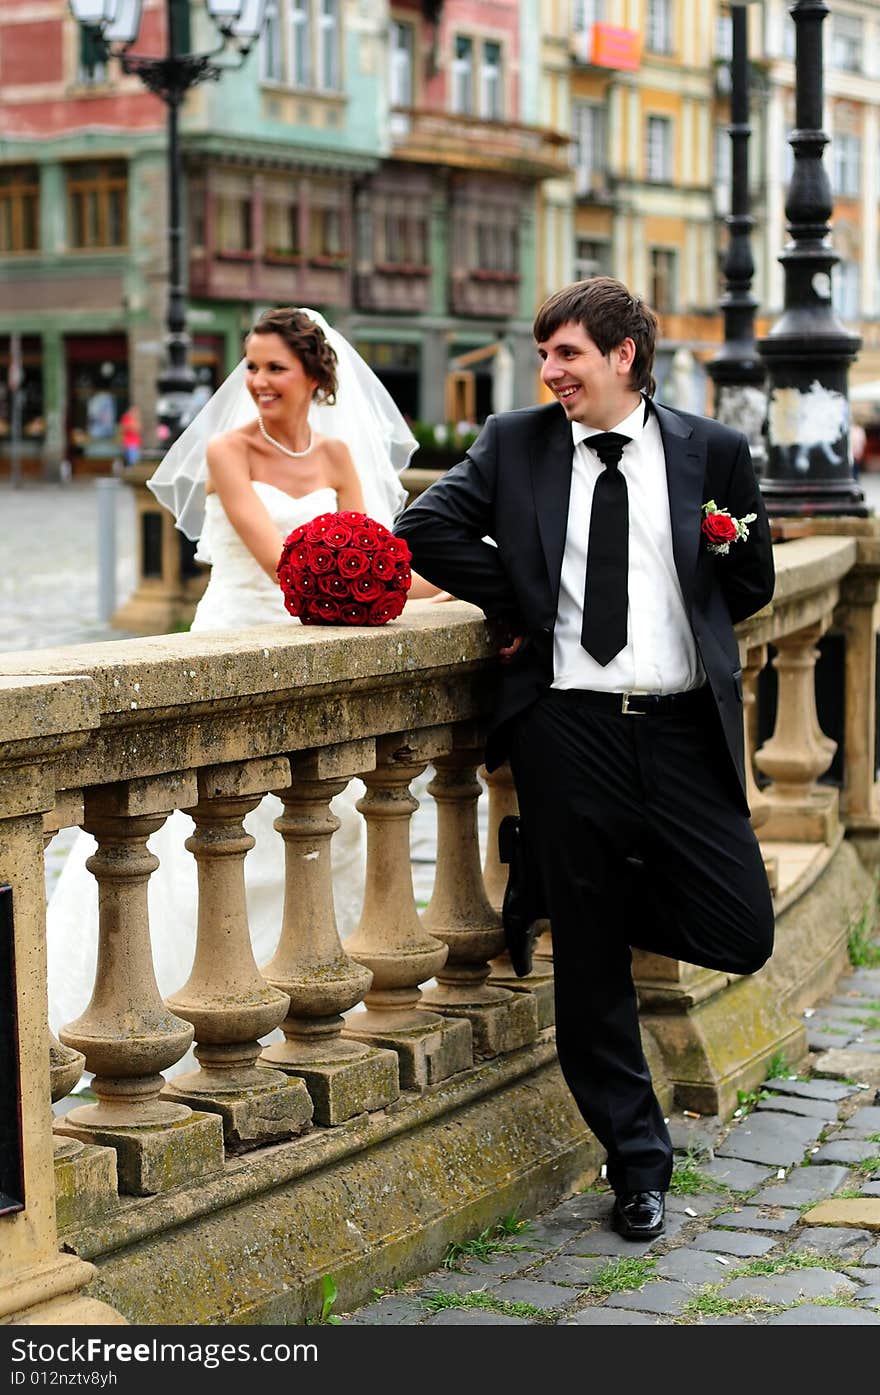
{"x":593,"y":388}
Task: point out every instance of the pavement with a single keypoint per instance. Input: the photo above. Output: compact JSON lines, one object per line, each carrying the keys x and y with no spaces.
{"x":772,"y":1220}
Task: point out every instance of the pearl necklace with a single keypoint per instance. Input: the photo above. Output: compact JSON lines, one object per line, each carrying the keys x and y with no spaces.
{"x":285,"y":450}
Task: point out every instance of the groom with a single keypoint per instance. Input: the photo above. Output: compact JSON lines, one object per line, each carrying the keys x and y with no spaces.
{"x":620,"y":702}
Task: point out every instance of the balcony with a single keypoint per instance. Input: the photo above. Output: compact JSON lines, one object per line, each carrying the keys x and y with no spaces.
{"x":470,"y":142}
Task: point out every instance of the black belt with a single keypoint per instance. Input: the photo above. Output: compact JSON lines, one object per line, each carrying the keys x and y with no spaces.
{"x":639,"y":704}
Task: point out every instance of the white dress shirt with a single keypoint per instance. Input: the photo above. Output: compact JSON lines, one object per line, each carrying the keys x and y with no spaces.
{"x":660,"y":655}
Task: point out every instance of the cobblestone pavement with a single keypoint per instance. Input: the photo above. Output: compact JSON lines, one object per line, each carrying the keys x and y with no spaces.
{"x":49,"y":577}
{"x":774,"y":1220}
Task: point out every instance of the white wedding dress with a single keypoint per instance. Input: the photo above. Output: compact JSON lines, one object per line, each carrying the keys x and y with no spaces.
{"x":239,"y":594}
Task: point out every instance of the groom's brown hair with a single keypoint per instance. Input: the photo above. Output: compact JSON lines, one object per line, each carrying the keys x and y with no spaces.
{"x":609,"y":313}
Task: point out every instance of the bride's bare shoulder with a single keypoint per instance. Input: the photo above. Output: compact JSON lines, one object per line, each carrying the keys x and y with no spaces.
{"x":236,"y":440}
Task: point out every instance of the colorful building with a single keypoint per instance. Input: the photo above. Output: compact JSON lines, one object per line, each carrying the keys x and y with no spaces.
{"x":370,"y":160}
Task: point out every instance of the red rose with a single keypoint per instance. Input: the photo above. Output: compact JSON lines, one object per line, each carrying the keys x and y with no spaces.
{"x":322,"y":609}
{"x":388,"y":608}
{"x":719,"y":528}
{"x":351,"y":561}
{"x":338,"y":536}
{"x":367,"y":588}
{"x":366,"y":535}
{"x":317,"y":530}
{"x":384,"y":565}
{"x":354,"y":614}
{"x":333,"y":585}
{"x":398,"y":547}
{"x":321,"y":559}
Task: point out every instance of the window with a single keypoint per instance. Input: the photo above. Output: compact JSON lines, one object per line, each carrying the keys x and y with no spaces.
{"x":496,"y":247}
{"x":586,"y":13}
{"x":402,"y":234}
{"x":724,"y":37}
{"x":300,"y":44}
{"x":233,"y":212}
{"x":589,"y":153}
{"x":97,"y":204}
{"x":327,"y":231}
{"x":846,"y":160}
{"x":658,"y":152}
{"x":19,"y":208}
{"x":328,"y":45}
{"x":463,"y":75}
{"x":658,"y":36}
{"x":591,"y":258}
{"x":846,"y":43}
{"x":281,"y":239}
{"x":271,"y":54}
{"x":663,"y":276}
{"x":92,"y":66}
{"x":402,"y":48}
{"x":846,"y":290}
{"x":491,"y":104}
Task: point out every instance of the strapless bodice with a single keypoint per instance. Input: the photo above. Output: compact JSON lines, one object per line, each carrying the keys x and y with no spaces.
{"x":239,"y":592}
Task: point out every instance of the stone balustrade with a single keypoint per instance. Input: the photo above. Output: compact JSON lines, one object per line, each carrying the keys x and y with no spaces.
{"x":412,"y":1091}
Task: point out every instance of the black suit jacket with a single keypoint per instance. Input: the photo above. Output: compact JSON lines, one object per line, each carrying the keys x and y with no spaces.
{"x":513,"y":486}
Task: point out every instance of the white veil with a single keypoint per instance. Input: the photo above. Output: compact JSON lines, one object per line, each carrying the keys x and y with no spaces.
{"x":364,"y":417}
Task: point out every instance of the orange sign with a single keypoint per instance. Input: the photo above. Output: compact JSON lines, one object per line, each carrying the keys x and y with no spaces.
{"x":615,"y":48}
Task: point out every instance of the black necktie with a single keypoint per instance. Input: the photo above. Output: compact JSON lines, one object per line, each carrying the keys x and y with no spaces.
{"x":605,"y":595}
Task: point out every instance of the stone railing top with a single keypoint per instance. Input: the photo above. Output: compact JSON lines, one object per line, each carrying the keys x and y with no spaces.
{"x":163,"y":671}
{"x":176,"y":703}
{"x":809,"y":564}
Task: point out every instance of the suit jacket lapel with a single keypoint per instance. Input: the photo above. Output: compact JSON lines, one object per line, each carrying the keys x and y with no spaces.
{"x":685,"y":476}
{"x":551,"y":456}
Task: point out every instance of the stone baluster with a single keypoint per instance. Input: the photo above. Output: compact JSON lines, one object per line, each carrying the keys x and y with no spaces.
{"x":228,"y":1002}
{"x":539,"y":983}
{"x":753,"y":664}
{"x":856,"y":616}
{"x":502,"y":801}
{"x":390,"y":939}
{"x":461,"y":915}
{"x":126,"y":1033}
{"x":41,"y":721}
{"x":344,"y":1077}
{"x":798,"y":751}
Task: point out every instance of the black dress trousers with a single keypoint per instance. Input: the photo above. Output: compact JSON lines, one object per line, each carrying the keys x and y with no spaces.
{"x":639,"y":841}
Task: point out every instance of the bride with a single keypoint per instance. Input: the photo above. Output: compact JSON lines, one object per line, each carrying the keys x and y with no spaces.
{"x":301,"y":427}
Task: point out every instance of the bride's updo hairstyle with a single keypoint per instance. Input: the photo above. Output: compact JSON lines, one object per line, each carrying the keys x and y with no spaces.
{"x":306,"y":340}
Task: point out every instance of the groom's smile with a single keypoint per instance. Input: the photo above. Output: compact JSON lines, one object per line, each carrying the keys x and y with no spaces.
{"x":592,"y":387}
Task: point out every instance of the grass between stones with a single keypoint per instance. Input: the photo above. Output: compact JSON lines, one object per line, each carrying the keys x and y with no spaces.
{"x":494,"y":1240}
{"x":478,"y":1298}
{"x":862,"y":943}
{"x":763,"y":1268}
{"x":867,"y":1166}
{"x":688,"y":1177}
{"x":622,"y":1275}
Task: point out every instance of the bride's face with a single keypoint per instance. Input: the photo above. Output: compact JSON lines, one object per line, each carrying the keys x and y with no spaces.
{"x":275,"y":377}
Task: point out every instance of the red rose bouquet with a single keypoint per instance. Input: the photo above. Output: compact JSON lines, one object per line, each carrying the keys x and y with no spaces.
{"x":344,"y":569}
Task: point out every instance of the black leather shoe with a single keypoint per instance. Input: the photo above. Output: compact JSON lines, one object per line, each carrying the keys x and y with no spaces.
{"x":517,"y":911}
{"x":639,"y":1215}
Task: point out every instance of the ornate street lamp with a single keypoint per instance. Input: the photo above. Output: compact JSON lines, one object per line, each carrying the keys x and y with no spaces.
{"x":737,"y":370}
{"x":114,"y":26}
{"x":807,"y":353}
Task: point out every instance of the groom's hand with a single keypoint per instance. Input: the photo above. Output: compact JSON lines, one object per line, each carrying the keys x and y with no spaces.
{"x":507,"y":651}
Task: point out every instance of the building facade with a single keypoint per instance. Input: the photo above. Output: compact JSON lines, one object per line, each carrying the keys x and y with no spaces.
{"x":367,"y":159}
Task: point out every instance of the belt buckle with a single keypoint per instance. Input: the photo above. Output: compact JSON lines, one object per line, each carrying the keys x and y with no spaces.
{"x":631,"y":711}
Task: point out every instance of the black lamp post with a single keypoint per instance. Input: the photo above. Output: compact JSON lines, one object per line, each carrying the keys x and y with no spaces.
{"x":736,"y":370}
{"x":807,"y":353}
{"x":114,"y":25}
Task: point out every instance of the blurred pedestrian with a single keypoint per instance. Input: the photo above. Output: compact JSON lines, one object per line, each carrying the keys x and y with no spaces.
{"x":132,"y":435}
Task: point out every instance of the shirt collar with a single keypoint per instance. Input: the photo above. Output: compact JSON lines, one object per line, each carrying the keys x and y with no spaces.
{"x":631,"y":426}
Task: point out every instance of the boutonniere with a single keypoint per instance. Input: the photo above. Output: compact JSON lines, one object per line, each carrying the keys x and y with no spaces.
{"x":720,"y":529}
